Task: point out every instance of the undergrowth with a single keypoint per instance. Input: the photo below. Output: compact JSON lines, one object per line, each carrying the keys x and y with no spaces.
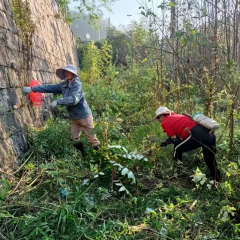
{"x":116,"y":193}
{"x":128,"y":189}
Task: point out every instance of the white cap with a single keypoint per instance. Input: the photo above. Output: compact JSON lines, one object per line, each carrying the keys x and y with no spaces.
{"x":160,"y":111}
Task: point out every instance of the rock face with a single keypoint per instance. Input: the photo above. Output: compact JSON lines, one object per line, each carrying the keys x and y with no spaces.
{"x":53,"y":46}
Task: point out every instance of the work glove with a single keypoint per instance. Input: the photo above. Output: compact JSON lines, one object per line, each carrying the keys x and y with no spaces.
{"x":163,"y":144}
{"x":26,"y":89}
{"x":54,"y":104}
{"x":166,"y":142}
{"x":175,"y":140}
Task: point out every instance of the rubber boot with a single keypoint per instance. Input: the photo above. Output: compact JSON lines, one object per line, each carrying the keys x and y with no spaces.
{"x":79,"y":146}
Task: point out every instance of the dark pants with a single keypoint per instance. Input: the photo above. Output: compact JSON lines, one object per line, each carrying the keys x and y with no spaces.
{"x":201,"y":137}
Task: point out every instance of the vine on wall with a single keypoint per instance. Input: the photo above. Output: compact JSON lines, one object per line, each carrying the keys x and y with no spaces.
{"x":26,"y":26}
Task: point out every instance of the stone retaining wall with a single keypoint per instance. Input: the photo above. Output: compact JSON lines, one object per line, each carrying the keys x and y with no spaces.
{"x":53,"y":47}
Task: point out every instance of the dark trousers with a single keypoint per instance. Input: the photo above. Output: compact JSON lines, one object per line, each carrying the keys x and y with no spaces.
{"x":201,"y":137}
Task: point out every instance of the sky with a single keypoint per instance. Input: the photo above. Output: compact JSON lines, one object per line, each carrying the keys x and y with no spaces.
{"x":121,"y":9}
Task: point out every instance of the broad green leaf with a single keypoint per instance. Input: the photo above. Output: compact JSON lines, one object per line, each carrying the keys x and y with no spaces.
{"x":118,"y":184}
{"x":163,"y":233}
{"x":122,"y":189}
{"x":193,"y":31}
{"x":125,"y":171}
{"x":131,"y":175}
{"x":224,"y":217}
{"x":184,"y":42}
{"x":124,"y":149}
{"x":179,"y":34}
{"x":139,"y":157}
{"x":190,"y":38}
{"x":149,"y":210}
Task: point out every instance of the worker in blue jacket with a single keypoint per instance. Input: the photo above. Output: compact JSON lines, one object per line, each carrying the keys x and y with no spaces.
{"x":74,"y":100}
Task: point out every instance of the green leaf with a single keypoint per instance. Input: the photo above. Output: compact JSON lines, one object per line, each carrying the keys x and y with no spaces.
{"x":149,"y":210}
{"x":171,"y":4}
{"x":63,"y":212}
{"x":122,"y":189}
{"x":2,"y":215}
{"x":190,"y":38}
{"x":203,"y":41}
{"x":179,"y":34}
{"x":32,"y":233}
{"x":125,"y":171}
{"x":193,"y":31}
{"x":70,"y":217}
{"x":118,"y":184}
{"x":162,"y":6}
{"x":131,"y":175}
{"x":184,"y":42}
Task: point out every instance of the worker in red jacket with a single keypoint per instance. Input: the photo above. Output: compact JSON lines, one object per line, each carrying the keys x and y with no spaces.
{"x":187,"y":135}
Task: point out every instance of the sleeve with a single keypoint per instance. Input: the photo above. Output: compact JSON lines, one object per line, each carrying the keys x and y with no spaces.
{"x":168,"y":128}
{"x":48,"y":88}
{"x":74,"y":98}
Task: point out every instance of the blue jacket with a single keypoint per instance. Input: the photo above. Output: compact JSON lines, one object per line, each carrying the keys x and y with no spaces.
{"x":73,"y":97}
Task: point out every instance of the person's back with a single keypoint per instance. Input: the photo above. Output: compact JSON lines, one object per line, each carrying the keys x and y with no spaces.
{"x":175,"y":124}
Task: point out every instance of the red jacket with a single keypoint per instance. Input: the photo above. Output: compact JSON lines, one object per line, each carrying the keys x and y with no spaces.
{"x":176,"y":124}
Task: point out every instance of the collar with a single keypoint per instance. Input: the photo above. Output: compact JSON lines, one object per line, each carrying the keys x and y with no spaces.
{"x":168,"y":116}
{"x":70,"y":85}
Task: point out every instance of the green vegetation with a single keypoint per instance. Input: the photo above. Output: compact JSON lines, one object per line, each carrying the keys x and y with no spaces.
{"x":129,"y":189}
{"x":90,"y":9}
{"x":22,"y":15}
{"x":26,"y":27}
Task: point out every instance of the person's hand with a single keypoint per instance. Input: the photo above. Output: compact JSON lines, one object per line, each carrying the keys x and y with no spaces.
{"x":163,"y":144}
{"x":54,"y":104}
{"x":26,"y":89}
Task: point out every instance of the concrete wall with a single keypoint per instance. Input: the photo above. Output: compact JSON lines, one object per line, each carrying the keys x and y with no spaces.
{"x":53,"y":47}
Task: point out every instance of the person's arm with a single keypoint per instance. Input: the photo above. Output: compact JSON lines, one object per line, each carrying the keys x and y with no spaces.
{"x":172,"y":137}
{"x":77,"y":94}
{"x":48,"y":88}
{"x":171,"y":140}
